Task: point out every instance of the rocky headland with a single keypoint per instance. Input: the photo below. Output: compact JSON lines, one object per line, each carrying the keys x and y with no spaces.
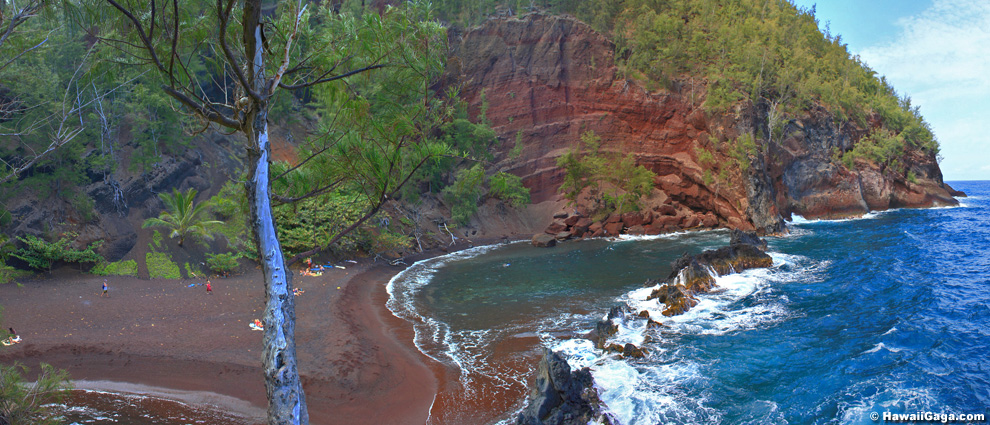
{"x":542,"y":80}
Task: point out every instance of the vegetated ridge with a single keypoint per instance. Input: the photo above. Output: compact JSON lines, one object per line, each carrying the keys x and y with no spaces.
{"x":544,"y":80}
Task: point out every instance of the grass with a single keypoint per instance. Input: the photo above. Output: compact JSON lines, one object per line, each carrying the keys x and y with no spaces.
{"x":193,"y":272}
{"x":161,"y":265}
{"x":117,"y":268}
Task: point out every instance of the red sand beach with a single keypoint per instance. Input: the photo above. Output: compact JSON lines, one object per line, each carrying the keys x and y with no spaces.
{"x":357,"y":360}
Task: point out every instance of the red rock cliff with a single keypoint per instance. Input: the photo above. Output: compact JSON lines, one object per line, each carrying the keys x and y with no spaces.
{"x":547,"y":79}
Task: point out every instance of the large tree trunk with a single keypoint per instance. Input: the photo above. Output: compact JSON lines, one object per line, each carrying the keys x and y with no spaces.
{"x":286,"y":400}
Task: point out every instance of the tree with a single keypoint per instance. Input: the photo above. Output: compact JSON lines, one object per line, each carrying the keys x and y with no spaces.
{"x":243,"y":83}
{"x":22,"y":118}
{"x":616,"y":182}
{"x":23,"y":403}
{"x":42,"y":255}
{"x":183,"y":217}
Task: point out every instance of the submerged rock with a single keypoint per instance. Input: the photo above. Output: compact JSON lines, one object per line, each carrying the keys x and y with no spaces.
{"x":562,"y":397}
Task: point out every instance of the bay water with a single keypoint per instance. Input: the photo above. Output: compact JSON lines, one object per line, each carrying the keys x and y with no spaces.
{"x":885,"y":313}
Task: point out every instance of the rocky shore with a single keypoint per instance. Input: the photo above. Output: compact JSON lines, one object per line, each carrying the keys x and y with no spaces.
{"x":559,"y":396}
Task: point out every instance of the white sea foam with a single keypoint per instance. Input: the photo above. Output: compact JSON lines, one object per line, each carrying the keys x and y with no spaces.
{"x":882,"y":346}
{"x":434,"y":338}
{"x":797,"y":219}
{"x":856,"y":403}
{"x":658,"y":390}
{"x":674,"y":235}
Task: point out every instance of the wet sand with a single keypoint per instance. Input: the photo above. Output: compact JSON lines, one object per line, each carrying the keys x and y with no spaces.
{"x":358,"y":362}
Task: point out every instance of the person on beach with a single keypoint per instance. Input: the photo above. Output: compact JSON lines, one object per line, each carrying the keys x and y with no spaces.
{"x":209,"y":287}
{"x":105,"y":288}
{"x":13,"y":338}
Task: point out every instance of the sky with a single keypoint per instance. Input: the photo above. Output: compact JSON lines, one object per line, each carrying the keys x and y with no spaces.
{"x":935,"y":51}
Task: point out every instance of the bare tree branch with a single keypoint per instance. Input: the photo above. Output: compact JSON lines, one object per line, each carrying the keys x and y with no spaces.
{"x":288,"y":49}
{"x":287,"y":200}
{"x":328,"y":79}
{"x":206,"y":110}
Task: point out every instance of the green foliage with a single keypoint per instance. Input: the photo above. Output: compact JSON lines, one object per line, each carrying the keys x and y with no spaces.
{"x":509,"y":188}
{"x":182,"y":217}
{"x":380,"y":130}
{"x":769,"y":52}
{"x":880,"y":146}
{"x":231,"y":206}
{"x":388,"y":241}
{"x":471,"y":138}
{"x":518,"y":147}
{"x":705,"y":157}
{"x":317,"y":220}
{"x":156,"y":241}
{"x":117,"y":268}
{"x":37,"y":403}
{"x":223,"y":263}
{"x":616,"y":182}
{"x":160,"y":264}
{"x":463,"y":195}
{"x":192,"y":271}
{"x":42,"y":255}
{"x":744,"y":147}
{"x":61,"y":94}
{"x":8,"y":273}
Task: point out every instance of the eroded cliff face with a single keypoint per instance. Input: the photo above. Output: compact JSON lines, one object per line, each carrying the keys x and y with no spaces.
{"x":543,"y":80}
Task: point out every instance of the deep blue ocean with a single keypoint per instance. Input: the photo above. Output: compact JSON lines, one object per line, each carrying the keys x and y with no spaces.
{"x":886,"y":313}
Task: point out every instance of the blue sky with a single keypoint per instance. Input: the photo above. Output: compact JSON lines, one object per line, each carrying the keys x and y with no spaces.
{"x":938,"y":53}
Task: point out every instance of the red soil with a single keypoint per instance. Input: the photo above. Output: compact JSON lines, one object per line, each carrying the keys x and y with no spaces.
{"x":358,"y":362}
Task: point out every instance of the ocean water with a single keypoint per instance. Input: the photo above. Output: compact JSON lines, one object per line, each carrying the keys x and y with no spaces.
{"x":887,"y":313}
{"x":105,"y":408}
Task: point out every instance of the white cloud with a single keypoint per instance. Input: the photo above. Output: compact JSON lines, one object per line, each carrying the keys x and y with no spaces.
{"x":946,"y":43}
{"x":941,"y":59}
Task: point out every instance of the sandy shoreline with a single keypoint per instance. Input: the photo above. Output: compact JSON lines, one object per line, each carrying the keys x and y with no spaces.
{"x":358,"y":362}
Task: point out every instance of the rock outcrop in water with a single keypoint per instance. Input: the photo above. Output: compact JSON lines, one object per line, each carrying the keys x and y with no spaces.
{"x":546,"y":79}
{"x":562,"y":397}
{"x":693,"y":274}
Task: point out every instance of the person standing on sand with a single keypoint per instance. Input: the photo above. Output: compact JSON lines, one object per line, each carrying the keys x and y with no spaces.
{"x":209,"y":287}
{"x":105,"y":293}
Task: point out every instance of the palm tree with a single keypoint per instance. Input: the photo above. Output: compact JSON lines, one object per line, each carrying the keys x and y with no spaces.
{"x":182,"y":216}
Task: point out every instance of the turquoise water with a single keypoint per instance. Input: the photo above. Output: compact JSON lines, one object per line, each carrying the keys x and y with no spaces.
{"x":884,"y":313}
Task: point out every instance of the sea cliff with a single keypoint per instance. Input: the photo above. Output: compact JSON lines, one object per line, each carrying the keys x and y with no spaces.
{"x":543,"y":80}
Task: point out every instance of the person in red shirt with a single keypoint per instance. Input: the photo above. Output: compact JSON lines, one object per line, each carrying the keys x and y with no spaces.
{"x":209,"y":288}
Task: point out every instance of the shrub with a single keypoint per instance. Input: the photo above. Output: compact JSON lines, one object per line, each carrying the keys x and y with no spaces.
{"x":509,"y":188}
{"x":231,"y":206}
{"x":616,"y":182}
{"x":192,"y":271}
{"x":223,"y":263}
{"x":386,"y":241}
{"x":462,"y":196}
{"x":117,"y":268}
{"x":42,"y":255}
{"x":161,"y":265}
{"x":37,"y":403}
